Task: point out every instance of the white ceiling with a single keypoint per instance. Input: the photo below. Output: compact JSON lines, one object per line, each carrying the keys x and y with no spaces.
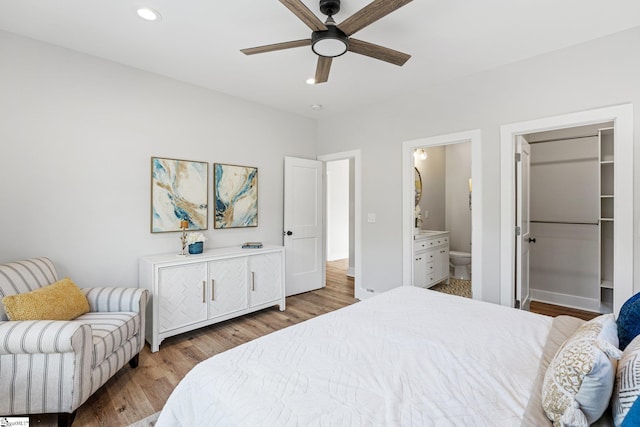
{"x":199,"y":42}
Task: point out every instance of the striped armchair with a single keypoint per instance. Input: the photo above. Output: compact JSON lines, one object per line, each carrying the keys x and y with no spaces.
{"x":50,"y":366}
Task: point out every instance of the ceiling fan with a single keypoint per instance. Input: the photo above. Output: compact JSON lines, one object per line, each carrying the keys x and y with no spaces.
{"x":329,"y":40}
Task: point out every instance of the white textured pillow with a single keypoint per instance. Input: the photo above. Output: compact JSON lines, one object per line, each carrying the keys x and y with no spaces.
{"x":627,"y":386}
{"x":579,"y":381}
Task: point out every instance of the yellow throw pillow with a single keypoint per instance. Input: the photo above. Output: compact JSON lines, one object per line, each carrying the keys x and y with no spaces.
{"x":62,"y":300}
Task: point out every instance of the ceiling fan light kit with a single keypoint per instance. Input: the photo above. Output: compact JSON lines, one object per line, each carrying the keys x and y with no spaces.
{"x":329,"y":40}
{"x":329,"y":43}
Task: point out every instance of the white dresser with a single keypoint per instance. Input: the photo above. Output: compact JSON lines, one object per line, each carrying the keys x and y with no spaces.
{"x":430,"y":258}
{"x":199,"y":290}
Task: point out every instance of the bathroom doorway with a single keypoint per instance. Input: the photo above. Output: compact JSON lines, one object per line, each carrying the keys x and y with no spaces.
{"x":436,"y":217}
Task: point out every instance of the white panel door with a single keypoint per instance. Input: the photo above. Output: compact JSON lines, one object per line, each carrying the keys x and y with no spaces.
{"x":182,"y":295}
{"x":228,"y":286}
{"x":523,"y":238}
{"x":303,"y":224}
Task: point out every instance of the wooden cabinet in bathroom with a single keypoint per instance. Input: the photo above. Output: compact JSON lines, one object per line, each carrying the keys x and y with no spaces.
{"x":430,"y":258}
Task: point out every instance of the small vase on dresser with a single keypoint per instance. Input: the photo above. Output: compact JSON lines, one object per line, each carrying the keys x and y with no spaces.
{"x":196,"y":248}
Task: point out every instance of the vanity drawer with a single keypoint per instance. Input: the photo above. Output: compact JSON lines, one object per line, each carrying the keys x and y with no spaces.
{"x":420,"y":245}
{"x":437,"y":241}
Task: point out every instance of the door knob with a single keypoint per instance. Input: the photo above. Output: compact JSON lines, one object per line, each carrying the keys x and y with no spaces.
{"x":532,"y":240}
{"x":288,"y":233}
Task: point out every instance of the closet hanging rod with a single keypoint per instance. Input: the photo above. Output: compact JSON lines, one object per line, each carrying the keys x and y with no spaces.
{"x":542,"y":141}
{"x":566,"y":222}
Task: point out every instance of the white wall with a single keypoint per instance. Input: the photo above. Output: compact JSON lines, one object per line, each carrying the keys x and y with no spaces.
{"x":599,"y":73}
{"x":76,"y":137}
{"x":337,"y":210}
{"x":458,"y":214}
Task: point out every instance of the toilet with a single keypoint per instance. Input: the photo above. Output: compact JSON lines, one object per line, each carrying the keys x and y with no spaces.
{"x":460,"y":261}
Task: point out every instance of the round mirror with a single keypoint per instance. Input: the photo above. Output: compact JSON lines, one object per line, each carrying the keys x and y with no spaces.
{"x":417,"y":185}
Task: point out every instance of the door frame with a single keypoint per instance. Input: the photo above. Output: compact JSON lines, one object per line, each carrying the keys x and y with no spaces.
{"x":356,"y":155}
{"x":622,"y":117}
{"x":408,"y":202}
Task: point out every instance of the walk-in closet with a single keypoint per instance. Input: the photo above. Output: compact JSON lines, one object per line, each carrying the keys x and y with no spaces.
{"x":571,"y":213}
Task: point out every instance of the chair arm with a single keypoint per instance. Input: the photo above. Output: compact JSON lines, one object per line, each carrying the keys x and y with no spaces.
{"x":42,"y":336}
{"x":116,"y":299}
{"x":46,"y":366}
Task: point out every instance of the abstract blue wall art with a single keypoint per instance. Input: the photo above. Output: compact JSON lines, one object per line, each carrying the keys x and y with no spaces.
{"x":179,"y":191}
{"x":236,"y":196}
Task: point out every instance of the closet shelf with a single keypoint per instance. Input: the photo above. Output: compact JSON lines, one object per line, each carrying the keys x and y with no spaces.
{"x":608,"y":284}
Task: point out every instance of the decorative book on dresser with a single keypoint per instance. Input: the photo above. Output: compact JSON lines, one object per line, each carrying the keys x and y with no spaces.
{"x":199,"y":290}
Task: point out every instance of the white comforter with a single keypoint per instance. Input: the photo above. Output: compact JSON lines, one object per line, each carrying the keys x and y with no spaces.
{"x":408,"y":357}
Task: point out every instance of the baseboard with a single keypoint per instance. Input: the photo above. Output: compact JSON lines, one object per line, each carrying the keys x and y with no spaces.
{"x":351,"y":272}
{"x":580,"y":303}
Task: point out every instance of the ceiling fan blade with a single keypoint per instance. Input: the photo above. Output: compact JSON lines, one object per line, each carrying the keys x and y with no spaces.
{"x":322,"y":70}
{"x":276,"y":46}
{"x":370,"y":14}
{"x":304,"y":14}
{"x":378,"y":52}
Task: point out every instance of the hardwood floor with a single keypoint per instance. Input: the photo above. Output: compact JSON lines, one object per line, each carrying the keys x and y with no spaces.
{"x":133,"y":394}
{"x":556,"y":310}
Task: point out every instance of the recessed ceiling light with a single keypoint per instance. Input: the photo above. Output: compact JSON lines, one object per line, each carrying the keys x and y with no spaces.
{"x":148,"y":14}
{"x":311,"y":81}
{"x":316,"y":107}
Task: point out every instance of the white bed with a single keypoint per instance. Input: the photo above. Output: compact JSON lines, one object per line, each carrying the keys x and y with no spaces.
{"x":407,"y":357}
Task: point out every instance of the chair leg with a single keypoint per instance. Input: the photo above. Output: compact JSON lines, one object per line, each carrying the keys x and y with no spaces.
{"x":134,"y":361}
{"x":65,"y":419}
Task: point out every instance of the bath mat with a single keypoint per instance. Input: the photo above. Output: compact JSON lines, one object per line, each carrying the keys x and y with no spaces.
{"x":458,"y":287}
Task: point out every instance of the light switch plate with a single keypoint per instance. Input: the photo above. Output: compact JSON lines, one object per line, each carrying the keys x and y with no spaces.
{"x":371,"y":217}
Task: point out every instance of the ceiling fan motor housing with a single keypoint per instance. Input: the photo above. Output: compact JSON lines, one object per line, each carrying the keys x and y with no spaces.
{"x":329,"y":7}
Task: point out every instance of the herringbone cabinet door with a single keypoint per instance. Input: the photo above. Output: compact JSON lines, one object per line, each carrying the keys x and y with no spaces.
{"x":266,"y":277}
{"x":228,"y":282}
{"x":182,"y":299}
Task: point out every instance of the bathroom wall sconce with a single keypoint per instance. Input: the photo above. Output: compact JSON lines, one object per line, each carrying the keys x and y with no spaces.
{"x":420,"y":154}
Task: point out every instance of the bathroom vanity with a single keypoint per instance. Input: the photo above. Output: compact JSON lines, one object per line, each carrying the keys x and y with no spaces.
{"x":430,"y":257}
